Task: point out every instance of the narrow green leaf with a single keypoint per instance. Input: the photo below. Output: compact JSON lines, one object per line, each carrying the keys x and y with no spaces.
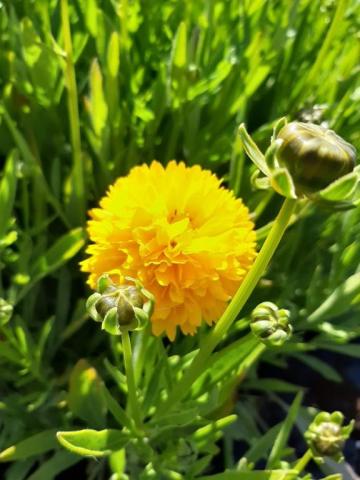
{"x":7,"y":191}
{"x":34,"y":445}
{"x":89,"y":10}
{"x":113,"y":55}
{"x":319,"y":366}
{"x":65,"y":248}
{"x":59,"y":462}
{"x":86,"y":396}
{"x":20,"y":470}
{"x":97,"y":443}
{"x":179,"y":54}
{"x":209,"y":430}
{"x":350,"y":350}
{"x":286,"y":427}
{"x":272,"y":385}
{"x":31,"y":161}
{"x":338,"y":302}
{"x":255,"y":475}
{"x":183,"y":417}
{"x":97,"y":103}
{"x":42,"y":62}
{"x":224,"y":361}
{"x":117,"y":411}
{"x":261,"y":446}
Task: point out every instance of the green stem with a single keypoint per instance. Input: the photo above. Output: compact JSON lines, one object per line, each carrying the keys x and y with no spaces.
{"x":199,"y":364}
{"x":72,"y":100}
{"x":133,"y":400}
{"x":304,"y":460}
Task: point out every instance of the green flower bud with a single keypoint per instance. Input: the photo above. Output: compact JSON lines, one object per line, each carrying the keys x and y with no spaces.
{"x":314,"y":155}
{"x":271,"y":324}
{"x":326,"y":435}
{"x":120,"y":307}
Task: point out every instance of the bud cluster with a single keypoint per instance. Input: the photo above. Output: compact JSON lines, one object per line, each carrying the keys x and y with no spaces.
{"x":271,"y":324}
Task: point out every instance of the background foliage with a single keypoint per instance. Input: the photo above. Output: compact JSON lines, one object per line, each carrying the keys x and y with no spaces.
{"x":139,"y":80}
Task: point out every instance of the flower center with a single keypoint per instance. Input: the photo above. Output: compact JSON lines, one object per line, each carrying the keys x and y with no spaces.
{"x":176,"y":216}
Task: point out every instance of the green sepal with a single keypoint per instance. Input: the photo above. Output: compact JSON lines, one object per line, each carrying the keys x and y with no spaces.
{"x":277,"y":127}
{"x":260,"y":182}
{"x":110,"y":323}
{"x":253,"y":151}
{"x":91,"y":306}
{"x":343,"y":189}
{"x":103,"y":283}
{"x":270,"y":156}
{"x":149,"y":307}
{"x":141,"y":317}
{"x":282,"y":183}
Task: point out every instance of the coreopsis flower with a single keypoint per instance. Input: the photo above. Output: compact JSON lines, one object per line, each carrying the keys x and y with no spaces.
{"x":186,"y":238}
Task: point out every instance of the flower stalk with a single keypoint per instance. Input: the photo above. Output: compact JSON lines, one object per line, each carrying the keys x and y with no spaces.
{"x":199,"y":364}
{"x":130,"y":377}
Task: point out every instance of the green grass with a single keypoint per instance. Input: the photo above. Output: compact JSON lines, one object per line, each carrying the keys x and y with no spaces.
{"x":90,"y":88}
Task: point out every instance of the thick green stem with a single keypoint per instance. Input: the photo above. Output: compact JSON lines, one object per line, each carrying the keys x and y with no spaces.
{"x":72,"y":100}
{"x":133,"y":400}
{"x":199,"y":364}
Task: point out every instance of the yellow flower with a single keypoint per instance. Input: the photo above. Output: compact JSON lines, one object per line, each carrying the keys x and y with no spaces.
{"x":185,"y":237}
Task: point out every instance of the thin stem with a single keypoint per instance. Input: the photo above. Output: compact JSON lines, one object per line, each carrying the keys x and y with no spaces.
{"x":72,"y":100}
{"x":199,"y":364}
{"x":133,"y":400}
{"x":304,"y":460}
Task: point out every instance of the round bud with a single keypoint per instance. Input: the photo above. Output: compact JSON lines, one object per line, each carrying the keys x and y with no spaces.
{"x":106,"y":301}
{"x":329,"y":440}
{"x":120,"y":307}
{"x":326,"y":435}
{"x":128,"y":298}
{"x":314,"y":155}
{"x":271,"y":324}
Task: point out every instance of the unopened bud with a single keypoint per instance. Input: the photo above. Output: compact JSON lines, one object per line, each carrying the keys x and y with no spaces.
{"x":120,"y":307}
{"x":314,"y":155}
{"x":271,"y":324}
{"x":326,"y":435}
